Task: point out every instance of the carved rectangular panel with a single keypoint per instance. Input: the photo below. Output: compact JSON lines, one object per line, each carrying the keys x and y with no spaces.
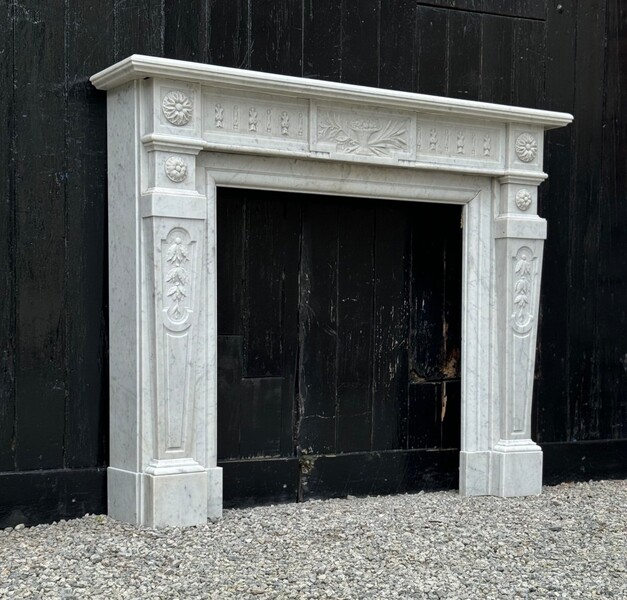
{"x":447,"y":141}
{"x":177,"y":247}
{"x":246,"y":120}
{"x":358,"y":133}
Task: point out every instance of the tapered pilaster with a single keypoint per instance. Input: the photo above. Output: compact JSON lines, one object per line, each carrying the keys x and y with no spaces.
{"x":519,"y":242}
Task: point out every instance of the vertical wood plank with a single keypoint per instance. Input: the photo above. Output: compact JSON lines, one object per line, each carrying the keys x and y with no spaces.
{"x":270,"y":314}
{"x":612,"y":292}
{"x":40,"y":180}
{"x":398,"y":62}
{"x":427,"y":336}
{"x":432,"y":33}
{"x":360,"y":41}
{"x":317,"y":377}
{"x":231,"y":219}
{"x":464,"y":55}
{"x":552,"y":393}
{"x":450,"y":414}
{"x":585,"y":222}
{"x":260,"y":417}
{"x":230,"y":365}
{"x":228,"y":33}
{"x":185,"y":30}
{"x":7,"y":239}
{"x":391,"y":323}
{"x":355,"y":300}
{"x":322,"y":39}
{"x":276,"y":36}
{"x":290,"y":274}
{"x":139,"y":27}
{"x":528,"y":63}
{"x":450,"y":217}
{"x":496,"y":59}
{"x":86,"y":238}
{"x":424,"y":415}
{"x":263,"y":310}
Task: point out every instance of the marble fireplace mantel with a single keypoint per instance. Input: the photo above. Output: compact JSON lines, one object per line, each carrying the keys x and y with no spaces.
{"x":176,"y":130}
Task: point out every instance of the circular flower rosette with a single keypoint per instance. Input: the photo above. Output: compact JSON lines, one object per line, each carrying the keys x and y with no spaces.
{"x":176,"y":169}
{"x":523,"y":199}
{"x":177,"y":108}
{"x":526,"y":147}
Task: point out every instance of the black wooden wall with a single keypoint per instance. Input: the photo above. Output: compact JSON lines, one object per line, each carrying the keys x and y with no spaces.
{"x":339,"y":335}
{"x":568,"y":56}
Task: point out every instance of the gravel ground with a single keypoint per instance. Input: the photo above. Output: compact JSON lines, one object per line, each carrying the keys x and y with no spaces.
{"x":571,"y":542}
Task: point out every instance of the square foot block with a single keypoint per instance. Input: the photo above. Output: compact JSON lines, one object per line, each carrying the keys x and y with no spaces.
{"x":177,"y":500}
{"x":474,"y":473}
{"x":123,"y":493}
{"x":517,"y":473}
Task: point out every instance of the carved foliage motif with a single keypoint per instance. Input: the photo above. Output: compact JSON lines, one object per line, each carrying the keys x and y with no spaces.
{"x":433,"y":140}
{"x":522,"y":294}
{"x":446,"y":140}
{"x":285,"y":123}
{"x":460,"y":142}
{"x":487,"y":145}
{"x":365,"y":136}
{"x":177,"y":276}
{"x":219,"y":116}
{"x":177,"y":108}
{"x":253,"y":120}
{"x":526,"y":147}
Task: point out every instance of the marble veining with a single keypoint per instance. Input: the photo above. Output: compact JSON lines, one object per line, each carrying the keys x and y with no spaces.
{"x":195,"y":127}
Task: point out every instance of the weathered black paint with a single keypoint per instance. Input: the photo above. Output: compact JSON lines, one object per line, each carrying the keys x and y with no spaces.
{"x":53,"y":374}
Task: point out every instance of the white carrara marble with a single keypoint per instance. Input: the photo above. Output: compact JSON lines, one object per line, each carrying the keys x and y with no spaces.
{"x":176,"y":130}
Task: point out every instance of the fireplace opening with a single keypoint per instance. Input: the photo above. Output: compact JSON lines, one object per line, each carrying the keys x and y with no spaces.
{"x":339,"y":345}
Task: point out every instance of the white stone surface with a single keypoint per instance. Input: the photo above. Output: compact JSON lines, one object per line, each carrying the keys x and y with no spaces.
{"x":177,"y":129}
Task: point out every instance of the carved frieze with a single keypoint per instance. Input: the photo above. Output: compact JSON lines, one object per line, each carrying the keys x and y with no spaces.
{"x":467,"y":144}
{"x":364,"y":135}
{"x":237,"y":119}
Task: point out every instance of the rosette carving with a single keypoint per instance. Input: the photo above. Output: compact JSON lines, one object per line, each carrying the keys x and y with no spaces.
{"x":526,"y":147}
{"x":176,"y":169}
{"x":177,"y":108}
{"x":523,"y":199}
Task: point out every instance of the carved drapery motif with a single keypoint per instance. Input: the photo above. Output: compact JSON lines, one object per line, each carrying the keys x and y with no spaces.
{"x":177,"y":108}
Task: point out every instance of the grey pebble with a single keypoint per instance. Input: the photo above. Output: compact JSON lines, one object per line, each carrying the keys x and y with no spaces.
{"x":569,"y":543}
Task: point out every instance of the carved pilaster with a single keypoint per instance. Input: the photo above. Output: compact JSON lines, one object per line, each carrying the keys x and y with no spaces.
{"x":519,"y":241}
